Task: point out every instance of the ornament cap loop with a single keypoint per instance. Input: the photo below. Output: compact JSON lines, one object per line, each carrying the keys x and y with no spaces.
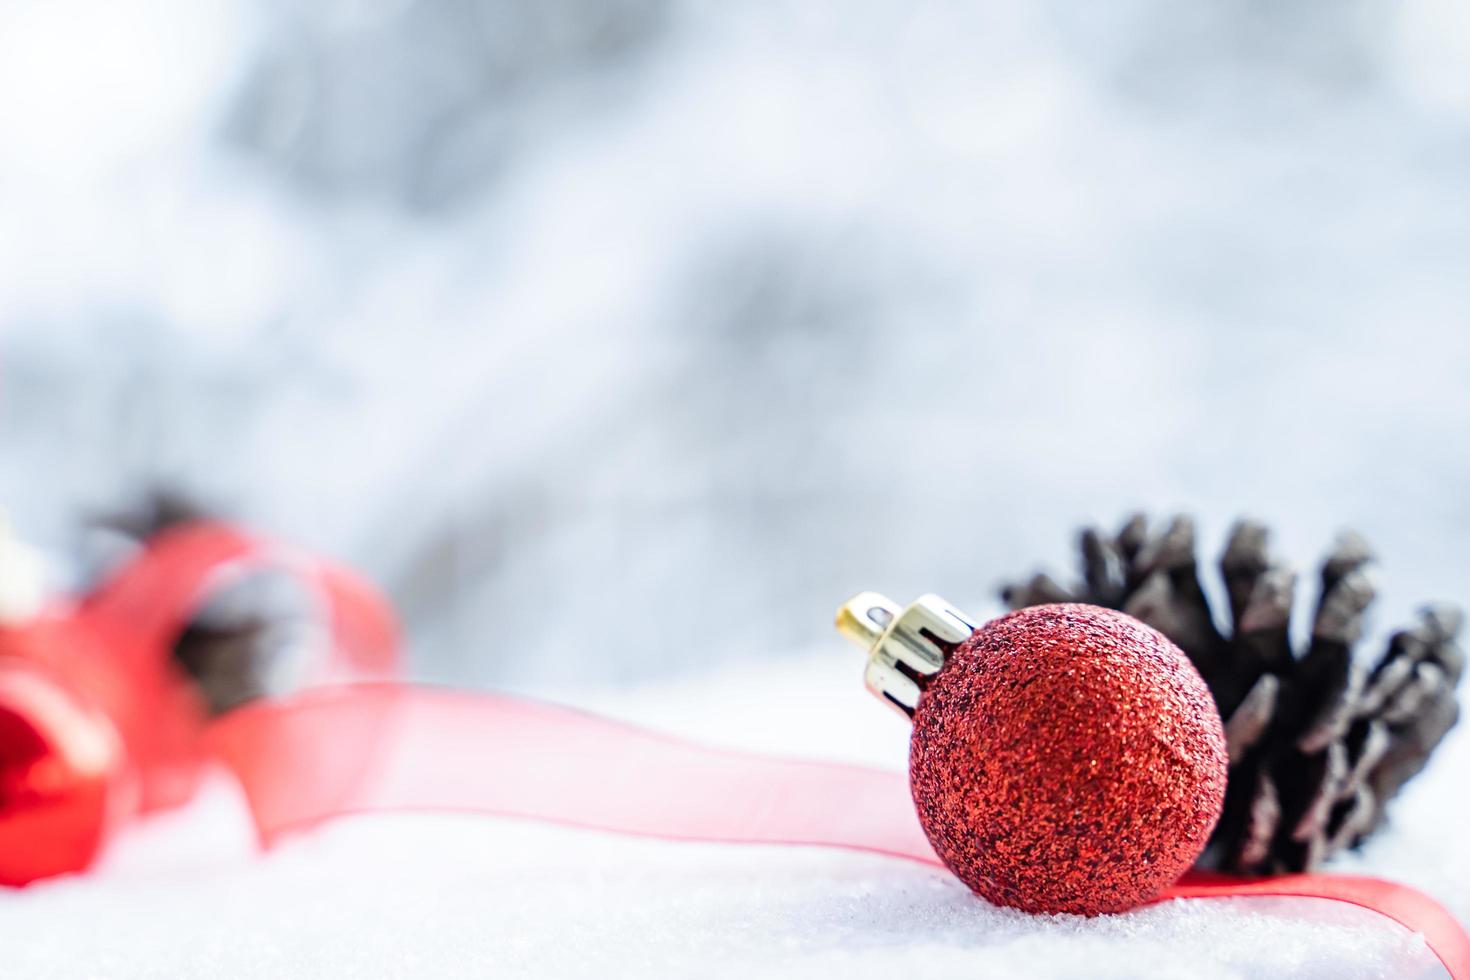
{"x":906,"y":645}
{"x":864,"y":618}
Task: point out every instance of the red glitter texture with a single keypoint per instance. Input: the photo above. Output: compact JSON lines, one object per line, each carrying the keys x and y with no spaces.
{"x":1068,"y":758}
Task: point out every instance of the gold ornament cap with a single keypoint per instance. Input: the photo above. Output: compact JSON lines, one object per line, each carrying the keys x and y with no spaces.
{"x":906,"y":646}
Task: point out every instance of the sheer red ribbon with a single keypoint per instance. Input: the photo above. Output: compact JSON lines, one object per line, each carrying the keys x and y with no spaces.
{"x":132,"y":619}
{"x":389,"y":747}
{"x":146,"y":604}
{"x":372,"y":748}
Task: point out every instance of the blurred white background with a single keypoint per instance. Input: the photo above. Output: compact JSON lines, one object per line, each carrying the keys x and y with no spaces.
{"x":621,"y":339}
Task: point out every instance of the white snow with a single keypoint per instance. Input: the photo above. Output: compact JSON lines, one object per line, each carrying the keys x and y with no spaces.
{"x":419,"y":895}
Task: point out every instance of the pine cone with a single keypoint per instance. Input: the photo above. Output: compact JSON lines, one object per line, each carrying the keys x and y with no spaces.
{"x":246,"y":639}
{"x":1318,"y":744}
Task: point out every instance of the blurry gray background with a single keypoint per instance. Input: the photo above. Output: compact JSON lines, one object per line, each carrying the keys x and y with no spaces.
{"x":619,"y":339}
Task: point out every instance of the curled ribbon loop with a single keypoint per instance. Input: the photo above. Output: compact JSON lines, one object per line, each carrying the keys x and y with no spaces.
{"x":147,"y":603}
{"x":136,"y":616}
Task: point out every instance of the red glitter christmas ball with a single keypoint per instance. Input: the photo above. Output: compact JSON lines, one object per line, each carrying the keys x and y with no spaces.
{"x":1068,"y":758}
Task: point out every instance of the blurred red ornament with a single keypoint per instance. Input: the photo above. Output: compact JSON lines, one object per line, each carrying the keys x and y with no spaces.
{"x":98,"y":723}
{"x":1064,"y":758}
{"x":64,"y":779}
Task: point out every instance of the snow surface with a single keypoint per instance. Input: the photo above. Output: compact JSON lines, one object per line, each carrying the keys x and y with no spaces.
{"x":455,"y":896}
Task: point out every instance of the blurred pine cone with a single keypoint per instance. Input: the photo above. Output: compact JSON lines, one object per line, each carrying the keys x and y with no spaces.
{"x":245,"y":639}
{"x":1318,"y":742}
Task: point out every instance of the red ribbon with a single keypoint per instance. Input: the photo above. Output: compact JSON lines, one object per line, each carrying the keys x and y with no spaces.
{"x":137,"y":614}
{"x":147,"y":603}
{"x":393,"y":747}
{"x":383,"y":747}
